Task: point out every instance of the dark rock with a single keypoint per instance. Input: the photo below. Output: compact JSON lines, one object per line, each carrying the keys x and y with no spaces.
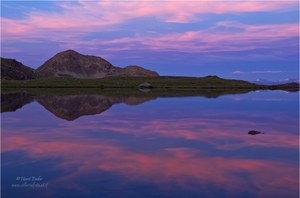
{"x":253,"y":132}
{"x":145,"y":85}
{"x":14,"y":70}
{"x":145,"y":90}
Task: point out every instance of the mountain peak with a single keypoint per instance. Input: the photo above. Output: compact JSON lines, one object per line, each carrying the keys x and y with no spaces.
{"x":73,"y":64}
{"x":69,"y":51}
{"x":70,"y":63}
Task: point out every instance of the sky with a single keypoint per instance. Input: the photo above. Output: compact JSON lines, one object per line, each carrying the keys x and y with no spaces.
{"x":232,"y":39}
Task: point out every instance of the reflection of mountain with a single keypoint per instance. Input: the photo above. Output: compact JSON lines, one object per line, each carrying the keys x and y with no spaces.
{"x":13,"y":101}
{"x":74,"y":106}
{"x":70,"y":104}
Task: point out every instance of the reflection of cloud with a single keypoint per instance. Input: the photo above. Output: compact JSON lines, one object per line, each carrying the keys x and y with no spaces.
{"x":195,"y":129}
{"x":210,"y":148}
{"x":268,"y":99}
{"x":175,"y":165}
{"x":203,"y":129}
{"x":261,"y":99}
{"x":237,"y":99}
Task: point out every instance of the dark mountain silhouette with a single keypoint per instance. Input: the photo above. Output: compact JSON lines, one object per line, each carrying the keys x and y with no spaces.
{"x":14,"y":70}
{"x":73,"y":64}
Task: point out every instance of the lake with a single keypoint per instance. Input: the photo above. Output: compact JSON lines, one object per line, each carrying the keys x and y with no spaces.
{"x":92,"y":145}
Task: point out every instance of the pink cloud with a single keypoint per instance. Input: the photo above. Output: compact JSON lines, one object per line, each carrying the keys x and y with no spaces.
{"x":105,"y":16}
{"x":180,"y":11}
{"x":69,"y":27}
{"x":251,"y":37}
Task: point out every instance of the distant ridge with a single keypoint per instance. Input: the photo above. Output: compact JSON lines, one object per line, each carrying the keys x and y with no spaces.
{"x":73,"y":64}
{"x":269,"y":82}
{"x":14,"y":70}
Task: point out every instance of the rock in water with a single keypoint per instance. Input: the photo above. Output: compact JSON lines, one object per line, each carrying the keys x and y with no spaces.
{"x":14,"y":70}
{"x":253,"y":132}
{"x":145,"y":85}
{"x":73,"y":64}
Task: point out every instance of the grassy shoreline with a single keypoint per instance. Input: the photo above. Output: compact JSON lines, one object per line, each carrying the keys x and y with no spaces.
{"x":160,"y":84}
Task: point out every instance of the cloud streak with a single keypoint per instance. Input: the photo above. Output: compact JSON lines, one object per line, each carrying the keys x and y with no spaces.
{"x":258,"y":72}
{"x":105,"y":16}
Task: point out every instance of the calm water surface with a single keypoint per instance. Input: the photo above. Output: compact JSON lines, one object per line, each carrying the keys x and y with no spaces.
{"x":140,"y":147}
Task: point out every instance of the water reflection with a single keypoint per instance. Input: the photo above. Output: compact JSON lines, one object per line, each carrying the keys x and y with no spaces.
{"x":14,"y":101}
{"x":75,"y":106}
{"x":186,"y":168}
{"x":168,"y":147}
{"x":82,"y":102}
